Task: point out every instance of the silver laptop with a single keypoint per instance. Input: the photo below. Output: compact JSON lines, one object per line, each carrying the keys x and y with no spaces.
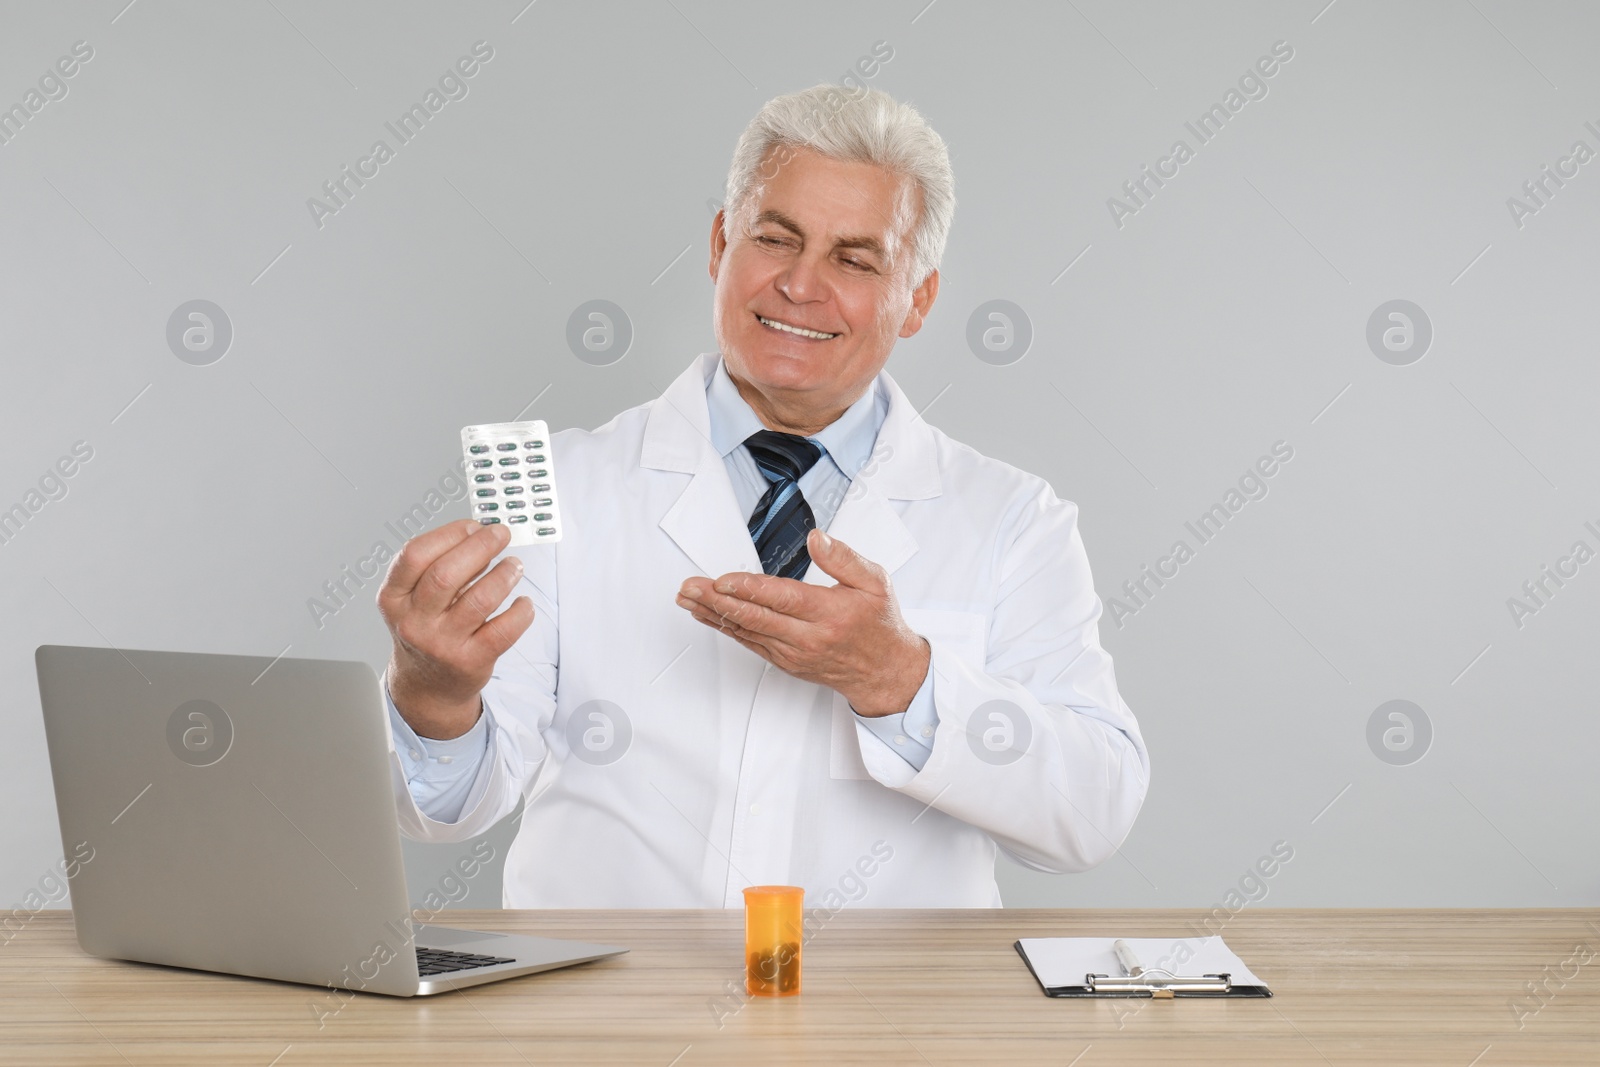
{"x":235,"y":814}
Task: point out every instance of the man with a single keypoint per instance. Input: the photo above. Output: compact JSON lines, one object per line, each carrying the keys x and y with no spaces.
{"x":699,"y":689}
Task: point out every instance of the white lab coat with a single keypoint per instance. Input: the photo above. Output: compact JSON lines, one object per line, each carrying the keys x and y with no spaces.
{"x":721,"y":771}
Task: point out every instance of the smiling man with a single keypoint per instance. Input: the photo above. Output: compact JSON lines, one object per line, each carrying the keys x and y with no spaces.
{"x":793,"y":633}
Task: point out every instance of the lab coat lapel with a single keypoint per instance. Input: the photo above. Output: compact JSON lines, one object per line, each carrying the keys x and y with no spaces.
{"x":904,"y":465}
{"x":704,"y":521}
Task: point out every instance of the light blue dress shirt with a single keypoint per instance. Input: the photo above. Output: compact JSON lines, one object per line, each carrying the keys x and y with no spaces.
{"x":440,"y":773}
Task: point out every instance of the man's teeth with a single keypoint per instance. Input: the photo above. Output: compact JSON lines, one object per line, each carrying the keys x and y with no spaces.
{"x":776,"y":325}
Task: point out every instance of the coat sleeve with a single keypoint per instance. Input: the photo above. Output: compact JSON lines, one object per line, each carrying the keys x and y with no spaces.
{"x":518,"y":703}
{"x":1035,"y":747}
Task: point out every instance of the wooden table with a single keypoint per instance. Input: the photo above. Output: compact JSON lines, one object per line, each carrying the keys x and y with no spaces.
{"x":880,"y":987}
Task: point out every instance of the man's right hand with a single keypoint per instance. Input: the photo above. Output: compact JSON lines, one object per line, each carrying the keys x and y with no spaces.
{"x":445,"y":644}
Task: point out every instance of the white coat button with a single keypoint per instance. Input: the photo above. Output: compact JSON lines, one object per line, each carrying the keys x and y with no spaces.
{"x":755,"y":809}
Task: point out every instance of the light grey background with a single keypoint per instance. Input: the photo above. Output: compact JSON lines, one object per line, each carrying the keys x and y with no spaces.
{"x":1227,"y":314}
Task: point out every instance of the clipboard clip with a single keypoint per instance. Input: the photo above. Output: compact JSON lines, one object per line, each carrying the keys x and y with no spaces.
{"x":1158,"y":983}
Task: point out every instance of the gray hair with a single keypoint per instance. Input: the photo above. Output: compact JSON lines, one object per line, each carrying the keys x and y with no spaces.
{"x":857,"y":125}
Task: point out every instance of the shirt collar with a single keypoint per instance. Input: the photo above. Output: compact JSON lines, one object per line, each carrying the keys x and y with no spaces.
{"x":846,"y":440}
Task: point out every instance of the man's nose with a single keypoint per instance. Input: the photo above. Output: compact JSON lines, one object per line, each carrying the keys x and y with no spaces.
{"x":803,"y":281}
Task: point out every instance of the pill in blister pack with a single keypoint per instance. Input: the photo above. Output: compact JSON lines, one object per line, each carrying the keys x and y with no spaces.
{"x":513,"y":479}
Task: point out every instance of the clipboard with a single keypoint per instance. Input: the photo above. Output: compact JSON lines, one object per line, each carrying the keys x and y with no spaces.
{"x":1109,"y":967}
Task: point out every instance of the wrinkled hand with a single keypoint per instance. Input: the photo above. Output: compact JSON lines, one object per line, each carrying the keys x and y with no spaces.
{"x":437,"y":601}
{"x":850,"y":637}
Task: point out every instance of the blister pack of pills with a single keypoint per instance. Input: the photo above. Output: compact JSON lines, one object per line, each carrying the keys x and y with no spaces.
{"x":512,"y":480}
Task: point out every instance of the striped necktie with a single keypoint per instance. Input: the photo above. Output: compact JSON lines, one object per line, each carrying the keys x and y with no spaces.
{"x":782,"y":517}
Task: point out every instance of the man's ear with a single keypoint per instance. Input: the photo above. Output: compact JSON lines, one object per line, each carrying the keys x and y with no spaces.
{"x":922,"y":298}
{"x":719,"y":243}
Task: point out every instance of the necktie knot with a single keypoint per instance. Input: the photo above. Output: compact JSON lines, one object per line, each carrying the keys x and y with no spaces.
{"x":782,"y":456}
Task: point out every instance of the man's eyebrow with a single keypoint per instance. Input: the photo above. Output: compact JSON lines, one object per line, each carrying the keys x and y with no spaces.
{"x":779,"y":218}
{"x":865,"y":242}
{"x":869,"y":244}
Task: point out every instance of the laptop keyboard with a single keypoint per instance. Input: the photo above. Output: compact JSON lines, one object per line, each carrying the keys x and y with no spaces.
{"x":431,"y":961}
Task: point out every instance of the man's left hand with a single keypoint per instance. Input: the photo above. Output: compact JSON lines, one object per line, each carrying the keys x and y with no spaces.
{"x":849,"y":637}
